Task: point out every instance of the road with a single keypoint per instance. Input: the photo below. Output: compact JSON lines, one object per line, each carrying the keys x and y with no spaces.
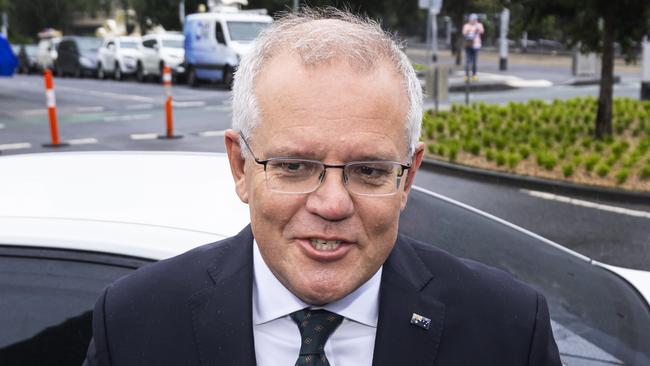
{"x":110,"y":115}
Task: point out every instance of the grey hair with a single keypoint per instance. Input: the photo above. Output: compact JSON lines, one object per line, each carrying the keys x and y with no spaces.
{"x":359,"y":41}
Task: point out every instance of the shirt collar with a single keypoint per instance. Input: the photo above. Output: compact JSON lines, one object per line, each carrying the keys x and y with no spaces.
{"x":271,"y":300}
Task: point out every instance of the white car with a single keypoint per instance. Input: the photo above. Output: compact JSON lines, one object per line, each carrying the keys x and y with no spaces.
{"x":159,"y":50}
{"x":71,"y":223}
{"x":118,"y":56}
{"x":47,"y":53}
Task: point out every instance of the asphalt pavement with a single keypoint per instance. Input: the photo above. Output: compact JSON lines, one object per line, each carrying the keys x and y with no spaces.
{"x":111,"y":115}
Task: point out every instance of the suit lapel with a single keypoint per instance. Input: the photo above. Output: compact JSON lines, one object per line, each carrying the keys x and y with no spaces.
{"x":222,"y":313}
{"x":398,"y":342}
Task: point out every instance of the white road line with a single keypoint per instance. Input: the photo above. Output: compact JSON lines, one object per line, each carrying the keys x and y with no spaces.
{"x":83,"y":141}
{"x":89,"y":109}
{"x":188,"y":104}
{"x":137,"y":98}
{"x":582,"y":203}
{"x":34,"y":112}
{"x":144,"y":136}
{"x":127,"y":117}
{"x":16,"y":146}
{"x":212,"y":133}
{"x":2,"y":126}
{"x":134,"y":107}
{"x":220,"y":108}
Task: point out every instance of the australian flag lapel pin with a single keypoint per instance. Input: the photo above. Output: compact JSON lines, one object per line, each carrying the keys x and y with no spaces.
{"x":420,"y":321}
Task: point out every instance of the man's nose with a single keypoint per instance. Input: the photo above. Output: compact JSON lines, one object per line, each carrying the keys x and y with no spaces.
{"x":331,"y":200}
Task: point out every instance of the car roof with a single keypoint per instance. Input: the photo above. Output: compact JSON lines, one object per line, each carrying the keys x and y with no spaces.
{"x":237,"y":16}
{"x":145,"y":204}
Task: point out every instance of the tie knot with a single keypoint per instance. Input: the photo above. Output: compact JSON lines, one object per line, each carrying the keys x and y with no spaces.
{"x":315,"y":327}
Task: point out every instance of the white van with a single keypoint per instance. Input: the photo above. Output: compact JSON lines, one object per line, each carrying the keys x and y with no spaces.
{"x":214,"y":43}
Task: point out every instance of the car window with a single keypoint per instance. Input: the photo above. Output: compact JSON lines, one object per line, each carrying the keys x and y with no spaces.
{"x":172,"y":43}
{"x":47,"y":301}
{"x":595,"y":314}
{"x":149,"y":43}
{"x":219,"y":33}
{"x":89,"y":43}
{"x":245,"y":31}
{"x":129,"y":44}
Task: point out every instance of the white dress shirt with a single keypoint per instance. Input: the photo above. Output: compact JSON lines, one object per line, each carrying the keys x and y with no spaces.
{"x":277,"y":338}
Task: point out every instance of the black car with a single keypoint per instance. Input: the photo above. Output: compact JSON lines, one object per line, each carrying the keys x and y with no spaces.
{"x":77,"y":56}
{"x":27,"y":61}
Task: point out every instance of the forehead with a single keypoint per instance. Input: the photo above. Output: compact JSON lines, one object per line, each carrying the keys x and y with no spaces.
{"x":331,"y":105}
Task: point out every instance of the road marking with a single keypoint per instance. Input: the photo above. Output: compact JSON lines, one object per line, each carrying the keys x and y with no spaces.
{"x":220,"y":108}
{"x":134,"y":107}
{"x":144,"y":136}
{"x":89,"y":109}
{"x":127,"y":117}
{"x":137,"y":98}
{"x":34,"y":112}
{"x":2,"y":126}
{"x":582,"y":203}
{"x":16,"y":146}
{"x":83,"y":141}
{"x":212,"y":133}
{"x":188,"y":104}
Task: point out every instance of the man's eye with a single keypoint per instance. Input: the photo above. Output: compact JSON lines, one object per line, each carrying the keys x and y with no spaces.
{"x":293,"y":166}
{"x":369,"y":171}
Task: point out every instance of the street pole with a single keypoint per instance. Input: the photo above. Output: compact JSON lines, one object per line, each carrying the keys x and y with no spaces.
{"x":5,"y":24}
{"x":448,"y":31}
{"x":645,"y":71}
{"x":503,"y":40}
{"x":181,"y":11}
{"x":434,"y":35}
{"x":295,"y":5}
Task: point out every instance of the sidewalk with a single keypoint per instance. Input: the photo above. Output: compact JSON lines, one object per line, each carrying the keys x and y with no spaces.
{"x":524,"y":71}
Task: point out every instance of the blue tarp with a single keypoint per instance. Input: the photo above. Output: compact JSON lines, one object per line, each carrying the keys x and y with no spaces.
{"x":8,"y":61}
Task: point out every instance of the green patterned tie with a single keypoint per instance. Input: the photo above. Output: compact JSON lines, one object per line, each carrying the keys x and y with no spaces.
{"x":315,"y":327}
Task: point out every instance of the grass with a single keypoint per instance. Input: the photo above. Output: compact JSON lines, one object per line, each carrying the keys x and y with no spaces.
{"x":551,"y":140}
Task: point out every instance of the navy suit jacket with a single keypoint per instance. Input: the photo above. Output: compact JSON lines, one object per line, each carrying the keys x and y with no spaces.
{"x":196,"y":309}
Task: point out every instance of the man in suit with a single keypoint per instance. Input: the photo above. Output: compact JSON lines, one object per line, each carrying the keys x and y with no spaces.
{"x":324,"y":149}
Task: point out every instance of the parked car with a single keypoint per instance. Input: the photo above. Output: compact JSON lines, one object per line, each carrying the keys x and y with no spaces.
{"x":47,"y":53}
{"x":27,"y":61}
{"x":118,"y":56}
{"x":103,"y":217}
{"x":77,"y":56}
{"x":214,"y":43}
{"x":159,"y":50}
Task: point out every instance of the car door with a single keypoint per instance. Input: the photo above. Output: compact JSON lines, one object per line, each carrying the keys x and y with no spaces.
{"x":47,"y":300}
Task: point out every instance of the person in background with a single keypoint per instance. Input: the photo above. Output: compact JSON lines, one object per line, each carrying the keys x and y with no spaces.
{"x":472,"y":31}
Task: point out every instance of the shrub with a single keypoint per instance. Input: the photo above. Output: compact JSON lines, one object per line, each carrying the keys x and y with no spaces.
{"x":568,"y":169}
{"x":591,"y":162}
{"x":431,"y":148}
{"x":644,"y":173}
{"x":602,"y":170}
{"x":524,"y":151}
{"x":489,"y":155}
{"x":513,"y":160}
{"x":501,"y":158}
{"x":453,"y":152}
{"x":622,"y":175}
{"x":546,"y":160}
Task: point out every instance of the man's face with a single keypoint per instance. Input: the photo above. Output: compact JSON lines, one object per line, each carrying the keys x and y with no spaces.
{"x":333,"y":114}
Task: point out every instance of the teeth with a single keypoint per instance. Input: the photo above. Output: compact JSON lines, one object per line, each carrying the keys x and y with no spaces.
{"x":325,"y":244}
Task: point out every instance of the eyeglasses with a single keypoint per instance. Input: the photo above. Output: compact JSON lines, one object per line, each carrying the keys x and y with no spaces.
{"x":301,"y":176}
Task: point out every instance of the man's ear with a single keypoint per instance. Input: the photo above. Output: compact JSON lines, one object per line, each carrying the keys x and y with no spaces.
{"x":410,"y":175}
{"x":237,"y":163}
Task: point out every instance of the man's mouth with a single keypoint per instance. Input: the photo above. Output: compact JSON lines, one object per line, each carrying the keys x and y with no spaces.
{"x":325,"y":245}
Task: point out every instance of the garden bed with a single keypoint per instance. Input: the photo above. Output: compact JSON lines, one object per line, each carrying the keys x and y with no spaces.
{"x":549,"y":140}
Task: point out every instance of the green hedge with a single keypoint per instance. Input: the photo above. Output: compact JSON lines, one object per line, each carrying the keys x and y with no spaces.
{"x":556,"y":136}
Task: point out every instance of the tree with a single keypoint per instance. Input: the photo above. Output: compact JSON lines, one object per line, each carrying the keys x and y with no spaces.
{"x":595,"y":26}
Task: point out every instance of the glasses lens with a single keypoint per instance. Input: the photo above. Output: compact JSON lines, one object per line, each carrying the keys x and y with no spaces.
{"x":373,"y":178}
{"x":293,"y":175}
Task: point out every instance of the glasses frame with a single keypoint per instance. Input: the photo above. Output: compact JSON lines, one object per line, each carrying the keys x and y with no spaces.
{"x":323,"y":173}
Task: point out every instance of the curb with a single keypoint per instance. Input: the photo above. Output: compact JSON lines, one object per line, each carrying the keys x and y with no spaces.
{"x":553,"y":186}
